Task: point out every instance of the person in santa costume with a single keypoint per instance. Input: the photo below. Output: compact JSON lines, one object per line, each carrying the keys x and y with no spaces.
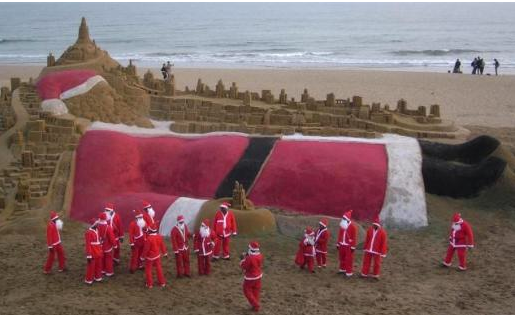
{"x":179,"y":237}
{"x":306,"y":252}
{"x":136,"y":240}
{"x":53,"y":241}
{"x":148,"y":213}
{"x":204,"y":242}
{"x":461,"y":238}
{"x":375,"y":249}
{"x":346,"y":244}
{"x":114,"y":220}
{"x":322,"y":236}
{"x":152,"y":251}
{"x":94,"y":253}
{"x":224,"y":226}
{"x":108,"y":241}
{"x":251,"y":263}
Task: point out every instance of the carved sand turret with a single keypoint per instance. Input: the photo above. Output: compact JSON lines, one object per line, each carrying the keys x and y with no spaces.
{"x":83,"y":37}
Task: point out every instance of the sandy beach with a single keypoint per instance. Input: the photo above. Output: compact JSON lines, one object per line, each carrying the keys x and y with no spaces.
{"x":412,"y":283}
{"x":485,"y":101}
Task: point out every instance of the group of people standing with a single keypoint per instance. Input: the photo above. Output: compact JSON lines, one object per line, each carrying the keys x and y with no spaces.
{"x":105,"y":235}
{"x":314,"y":246}
{"x":478,"y":66}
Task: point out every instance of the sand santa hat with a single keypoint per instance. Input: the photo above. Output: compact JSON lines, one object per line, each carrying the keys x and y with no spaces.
{"x":323,"y":222}
{"x":53,"y":215}
{"x":254,"y":247}
{"x":457,"y":219}
{"x":347,"y":215}
{"x":309,"y":231}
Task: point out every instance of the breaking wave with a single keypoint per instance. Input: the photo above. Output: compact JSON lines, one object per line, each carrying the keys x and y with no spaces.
{"x":437,"y":52}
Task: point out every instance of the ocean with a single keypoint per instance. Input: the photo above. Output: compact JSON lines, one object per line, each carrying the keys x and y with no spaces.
{"x":419,"y":36}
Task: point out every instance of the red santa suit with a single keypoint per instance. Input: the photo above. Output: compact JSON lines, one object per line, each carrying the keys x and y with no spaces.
{"x":375,"y":249}
{"x":251,"y":265}
{"x":306,"y":252}
{"x":346,"y":243}
{"x":115,"y":222}
{"x":461,"y":238}
{"x":53,"y":241}
{"x":203,"y":245}
{"x":94,"y":254}
{"x":224,"y":226}
{"x":108,"y":241}
{"x":322,"y":236}
{"x":152,"y":251}
{"x":136,"y":241}
{"x":179,"y":238}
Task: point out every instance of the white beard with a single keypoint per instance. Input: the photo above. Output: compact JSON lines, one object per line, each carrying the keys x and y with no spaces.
{"x":180,"y":226}
{"x":204,"y":231}
{"x":456,"y":227}
{"x":141,"y":223}
{"x":59,"y":224}
{"x":108,"y":215}
{"x":310,"y":240}
{"x":151,"y":212}
{"x":344,"y":224}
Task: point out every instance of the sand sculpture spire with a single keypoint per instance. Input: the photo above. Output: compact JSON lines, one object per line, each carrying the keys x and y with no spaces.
{"x":83,"y":32}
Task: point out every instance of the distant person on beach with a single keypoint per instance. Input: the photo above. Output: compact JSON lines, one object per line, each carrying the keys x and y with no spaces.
{"x":168,"y":70}
{"x":163,"y":71}
{"x":481,"y":65}
{"x":457,"y":66}
{"x":496,"y":65}
{"x":474,"y":66}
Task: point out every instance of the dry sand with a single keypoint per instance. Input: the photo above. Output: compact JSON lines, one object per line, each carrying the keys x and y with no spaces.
{"x":412,"y":282}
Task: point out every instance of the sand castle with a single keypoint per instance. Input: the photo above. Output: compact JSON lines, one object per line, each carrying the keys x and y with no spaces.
{"x":43,"y":145}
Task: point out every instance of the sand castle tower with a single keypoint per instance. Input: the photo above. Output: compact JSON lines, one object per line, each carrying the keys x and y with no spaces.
{"x":85,"y":49}
{"x":83,"y":33}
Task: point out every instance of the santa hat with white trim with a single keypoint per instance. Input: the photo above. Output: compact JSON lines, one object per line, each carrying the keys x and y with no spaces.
{"x":180,"y":218}
{"x":225,"y":205}
{"x":309,"y":231}
{"x":254,"y":247}
{"x":109,"y":206}
{"x":323,"y":222}
{"x":146,"y":205}
{"x":137,"y":214}
{"x":53,"y":215}
{"x":347,"y":215}
{"x":456,"y":218}
{"x":376,"y":221}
